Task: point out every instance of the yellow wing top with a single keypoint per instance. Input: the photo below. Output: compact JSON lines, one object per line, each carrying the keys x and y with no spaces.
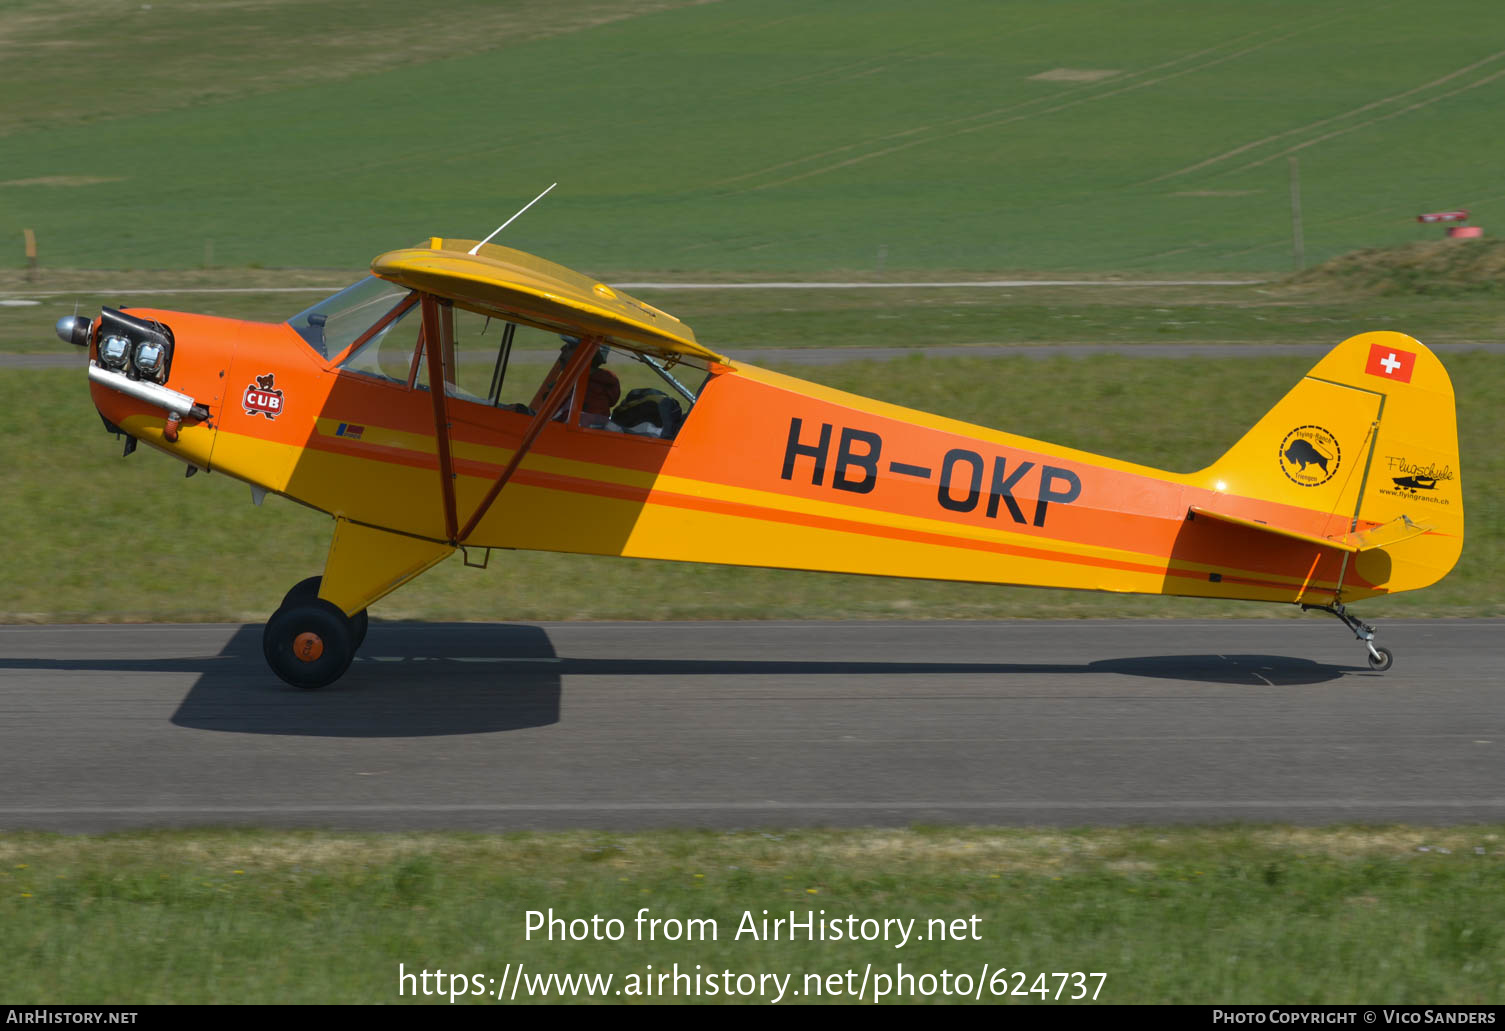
{"x":520,"y":287}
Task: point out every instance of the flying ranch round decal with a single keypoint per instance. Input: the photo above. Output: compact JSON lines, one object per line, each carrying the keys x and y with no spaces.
{"x":1310,"y":456}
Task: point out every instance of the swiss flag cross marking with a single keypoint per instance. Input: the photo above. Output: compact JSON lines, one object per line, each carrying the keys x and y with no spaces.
{"x":1390,"y":363}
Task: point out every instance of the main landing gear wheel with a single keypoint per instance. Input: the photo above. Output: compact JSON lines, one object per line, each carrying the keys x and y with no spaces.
{"x":1381,"y":659}
{"x":308,"y":644}
{"x":305,"y":591}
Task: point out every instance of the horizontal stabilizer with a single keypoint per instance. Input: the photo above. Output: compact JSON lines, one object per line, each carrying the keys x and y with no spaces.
{"x":1198,"y":512}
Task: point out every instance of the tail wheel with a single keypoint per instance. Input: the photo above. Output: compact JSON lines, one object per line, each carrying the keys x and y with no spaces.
{"x":305,"y":591}
{"x":308,"y":645}
{"x":1381,"y":662}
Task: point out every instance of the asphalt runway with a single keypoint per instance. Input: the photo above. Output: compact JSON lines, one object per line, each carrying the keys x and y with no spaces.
{"x":623,"y":725}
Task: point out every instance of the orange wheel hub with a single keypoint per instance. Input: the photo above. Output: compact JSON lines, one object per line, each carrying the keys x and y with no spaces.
{"x":308,"y":646}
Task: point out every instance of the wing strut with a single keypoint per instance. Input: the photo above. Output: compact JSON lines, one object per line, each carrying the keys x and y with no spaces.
{"x":436,"y":350}
{"x":562,"y":386}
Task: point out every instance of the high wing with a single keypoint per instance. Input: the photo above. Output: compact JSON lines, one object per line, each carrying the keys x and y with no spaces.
{"x":519,"y":287}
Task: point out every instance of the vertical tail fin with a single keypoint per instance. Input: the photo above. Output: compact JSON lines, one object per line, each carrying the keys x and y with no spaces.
{"x":1363,"y":451}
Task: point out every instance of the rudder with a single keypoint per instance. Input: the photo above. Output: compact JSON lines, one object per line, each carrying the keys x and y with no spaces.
{"x":1363,"y":450}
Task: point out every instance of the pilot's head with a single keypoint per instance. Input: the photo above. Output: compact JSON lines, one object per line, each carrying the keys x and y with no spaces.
{"x":568,"y":348}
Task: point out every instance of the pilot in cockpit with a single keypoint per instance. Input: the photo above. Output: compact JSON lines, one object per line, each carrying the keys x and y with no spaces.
{"x":602,"y":389}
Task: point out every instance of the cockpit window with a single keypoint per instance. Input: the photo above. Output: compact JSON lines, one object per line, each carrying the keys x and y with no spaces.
{"x":657,"y":393}
{"x":389,"y":350}
{"x":514,"y":366}
{"x":335,"y":322}
{"x":499,"y":364}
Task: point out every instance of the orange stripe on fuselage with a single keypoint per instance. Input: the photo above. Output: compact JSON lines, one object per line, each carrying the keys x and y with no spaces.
{"x":640,"y":495}
{"x":736,"y":437}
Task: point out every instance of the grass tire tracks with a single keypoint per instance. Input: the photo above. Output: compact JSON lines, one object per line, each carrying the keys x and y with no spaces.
{"x":1371,"y":122}
{"x":1243,"y":148}
{"x":1096,"y":92}
{"x":963,"y":119}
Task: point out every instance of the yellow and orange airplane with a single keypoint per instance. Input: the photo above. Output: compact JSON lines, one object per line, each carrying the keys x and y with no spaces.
{"x":431,"y":407}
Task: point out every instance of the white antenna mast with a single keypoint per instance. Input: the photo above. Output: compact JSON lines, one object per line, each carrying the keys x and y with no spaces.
{"x":511,"y":220}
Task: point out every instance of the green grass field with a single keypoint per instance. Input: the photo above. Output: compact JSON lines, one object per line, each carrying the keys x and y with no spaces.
{"x":1232,"y":915}
{"x":742,"y":138}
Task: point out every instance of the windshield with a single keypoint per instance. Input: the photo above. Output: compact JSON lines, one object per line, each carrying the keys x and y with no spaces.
{"x":334,"y":323}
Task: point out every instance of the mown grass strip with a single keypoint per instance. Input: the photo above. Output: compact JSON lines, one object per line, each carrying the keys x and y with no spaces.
{"x":1180,"y":915}
{"x":1316,"y":314}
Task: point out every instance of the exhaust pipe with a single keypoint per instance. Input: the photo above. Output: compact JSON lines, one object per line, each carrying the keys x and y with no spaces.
{"x":169,"y":401}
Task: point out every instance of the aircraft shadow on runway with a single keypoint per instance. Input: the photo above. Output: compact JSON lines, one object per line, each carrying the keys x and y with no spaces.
{"x":425,"y":679}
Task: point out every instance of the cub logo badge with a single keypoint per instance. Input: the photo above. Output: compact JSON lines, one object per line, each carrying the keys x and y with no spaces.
{"x":1310,"y":456}
{"x":263,"y":398}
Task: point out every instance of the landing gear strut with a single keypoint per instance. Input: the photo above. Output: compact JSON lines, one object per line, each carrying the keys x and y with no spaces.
{"x":309,"y":642}
{"x":1380,"y":659}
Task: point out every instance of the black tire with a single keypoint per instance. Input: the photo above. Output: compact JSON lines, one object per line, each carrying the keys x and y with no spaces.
{"x":359,"y":624}
{"x":1384,"y":662}
{"x":305,"y":591}
{"x":301,"y":593}
{"x":308,"y":645}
